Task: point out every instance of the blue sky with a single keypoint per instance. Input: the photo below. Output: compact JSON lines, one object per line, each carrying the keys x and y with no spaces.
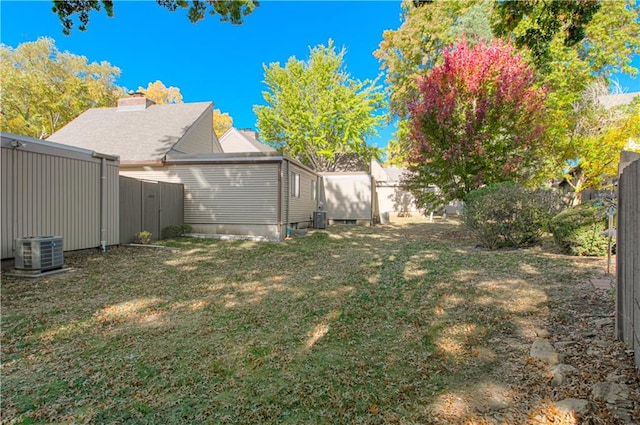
{"x":214,"y":61}
{"x":210,"y":60}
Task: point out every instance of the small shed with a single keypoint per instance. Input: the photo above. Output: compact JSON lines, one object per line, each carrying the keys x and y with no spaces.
{"x":348,"y":197}
{"x":52,"y":189}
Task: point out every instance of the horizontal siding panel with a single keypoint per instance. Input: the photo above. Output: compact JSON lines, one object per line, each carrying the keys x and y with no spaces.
{"x":222,"y":193}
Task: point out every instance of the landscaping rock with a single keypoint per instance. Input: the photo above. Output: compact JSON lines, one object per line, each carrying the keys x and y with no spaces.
{"x":541,"y":333}
{"x":569,"y":405}
{"x":544,"y":351}
{"x":614,"y":377}
{"x":610,"y":392}
{"x":623,"y":410}
{"x":608,"y":321}
{"x":560,"y":372}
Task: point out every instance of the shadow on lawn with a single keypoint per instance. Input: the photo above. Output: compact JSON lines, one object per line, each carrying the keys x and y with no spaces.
{"x":370,"y":325}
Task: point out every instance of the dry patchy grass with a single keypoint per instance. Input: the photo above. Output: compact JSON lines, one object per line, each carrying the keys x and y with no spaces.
{"x":397,"y":324}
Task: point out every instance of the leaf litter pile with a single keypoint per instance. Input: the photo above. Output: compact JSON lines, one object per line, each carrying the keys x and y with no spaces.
{"x":395,"y":324}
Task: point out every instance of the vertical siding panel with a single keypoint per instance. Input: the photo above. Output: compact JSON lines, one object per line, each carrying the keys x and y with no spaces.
{"x":57,"y":193}
{"x":45,"y":176}
{"x":39,"y":209}
{"x":628,"y":259}
{"x":58,"y":200}
{"x":20,"y":216}
{"x":6,"y":201}
{"x":113,"y":206}
{"x":31,"y":176}
{"x":88,"y":186}
{"x":23,"y":215}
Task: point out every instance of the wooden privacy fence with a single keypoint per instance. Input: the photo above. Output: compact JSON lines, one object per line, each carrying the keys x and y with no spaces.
{"x":628,"y":259}
{"x":149,"y":205}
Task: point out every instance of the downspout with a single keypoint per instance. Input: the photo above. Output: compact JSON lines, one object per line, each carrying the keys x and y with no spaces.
{"x":103,"y":204}
{"x":14,"y":197}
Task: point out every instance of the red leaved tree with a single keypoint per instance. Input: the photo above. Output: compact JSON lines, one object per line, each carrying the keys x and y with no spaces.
{"x":477,"y":119}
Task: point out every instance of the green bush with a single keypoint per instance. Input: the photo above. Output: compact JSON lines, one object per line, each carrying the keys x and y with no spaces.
{"x":176,"y":231}
{"x":143,"y":237}
{"x":509,"y":215}
{"x":578,"y":230}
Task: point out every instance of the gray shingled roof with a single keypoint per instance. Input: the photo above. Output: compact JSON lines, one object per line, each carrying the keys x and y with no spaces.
{"x":144,"y":135}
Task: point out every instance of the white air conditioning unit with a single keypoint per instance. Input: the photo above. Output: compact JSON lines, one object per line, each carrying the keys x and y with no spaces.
{"x":39,"y":253}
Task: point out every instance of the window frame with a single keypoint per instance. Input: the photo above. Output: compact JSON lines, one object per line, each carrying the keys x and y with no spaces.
{"x":295,"y":185}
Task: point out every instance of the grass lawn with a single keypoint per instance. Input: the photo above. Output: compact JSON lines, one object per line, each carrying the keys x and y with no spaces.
{"x":407,"y":324}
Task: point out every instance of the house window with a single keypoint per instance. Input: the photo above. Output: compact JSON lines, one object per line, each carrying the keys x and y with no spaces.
{"x":295,"y":185}
{"x":314,"y":189}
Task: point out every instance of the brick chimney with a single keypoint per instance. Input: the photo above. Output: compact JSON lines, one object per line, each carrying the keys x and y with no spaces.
{"x":135,"y":102}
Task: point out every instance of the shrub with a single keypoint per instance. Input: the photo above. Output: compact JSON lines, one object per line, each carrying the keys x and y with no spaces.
{"x":176,"y":231}
{"x":578,"y":230}
{"x":143,"y":237}
{"x":509,"y":215}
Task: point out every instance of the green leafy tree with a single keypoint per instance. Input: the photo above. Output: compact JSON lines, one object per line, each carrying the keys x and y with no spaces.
{"x":395,"y":154}
{"x":428,"y":28}
{"x":317,"y":113}
{"x":570,"y":71}
{"x":229,"y":10}
{"x":43,"y":89}
{"x":572,"y":44}
{"x":535,"y":24}
{"x":478,"y":120}
{"x":602,"y":133}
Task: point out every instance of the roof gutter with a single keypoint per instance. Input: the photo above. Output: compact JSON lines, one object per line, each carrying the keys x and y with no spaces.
{"x":226,"y":160}
{"x":132,"y":164}
{"x":95,"y":154}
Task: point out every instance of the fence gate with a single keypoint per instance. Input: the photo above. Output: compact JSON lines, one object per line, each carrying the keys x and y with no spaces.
{"x":149,"y":205}
{"x":628,"y":259}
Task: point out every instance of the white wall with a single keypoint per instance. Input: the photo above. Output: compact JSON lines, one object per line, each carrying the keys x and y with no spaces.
{"x":347,"y":196}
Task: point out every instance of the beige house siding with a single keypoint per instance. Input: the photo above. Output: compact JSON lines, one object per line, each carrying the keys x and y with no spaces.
{"x":301,"y":208}
{"x":348,"y":196}
{"x":200,"y":138}
{"x":48,"y":189}
{"x":237,"y":141}
{"x":233,"y":143}
{"x":224,"y":198}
